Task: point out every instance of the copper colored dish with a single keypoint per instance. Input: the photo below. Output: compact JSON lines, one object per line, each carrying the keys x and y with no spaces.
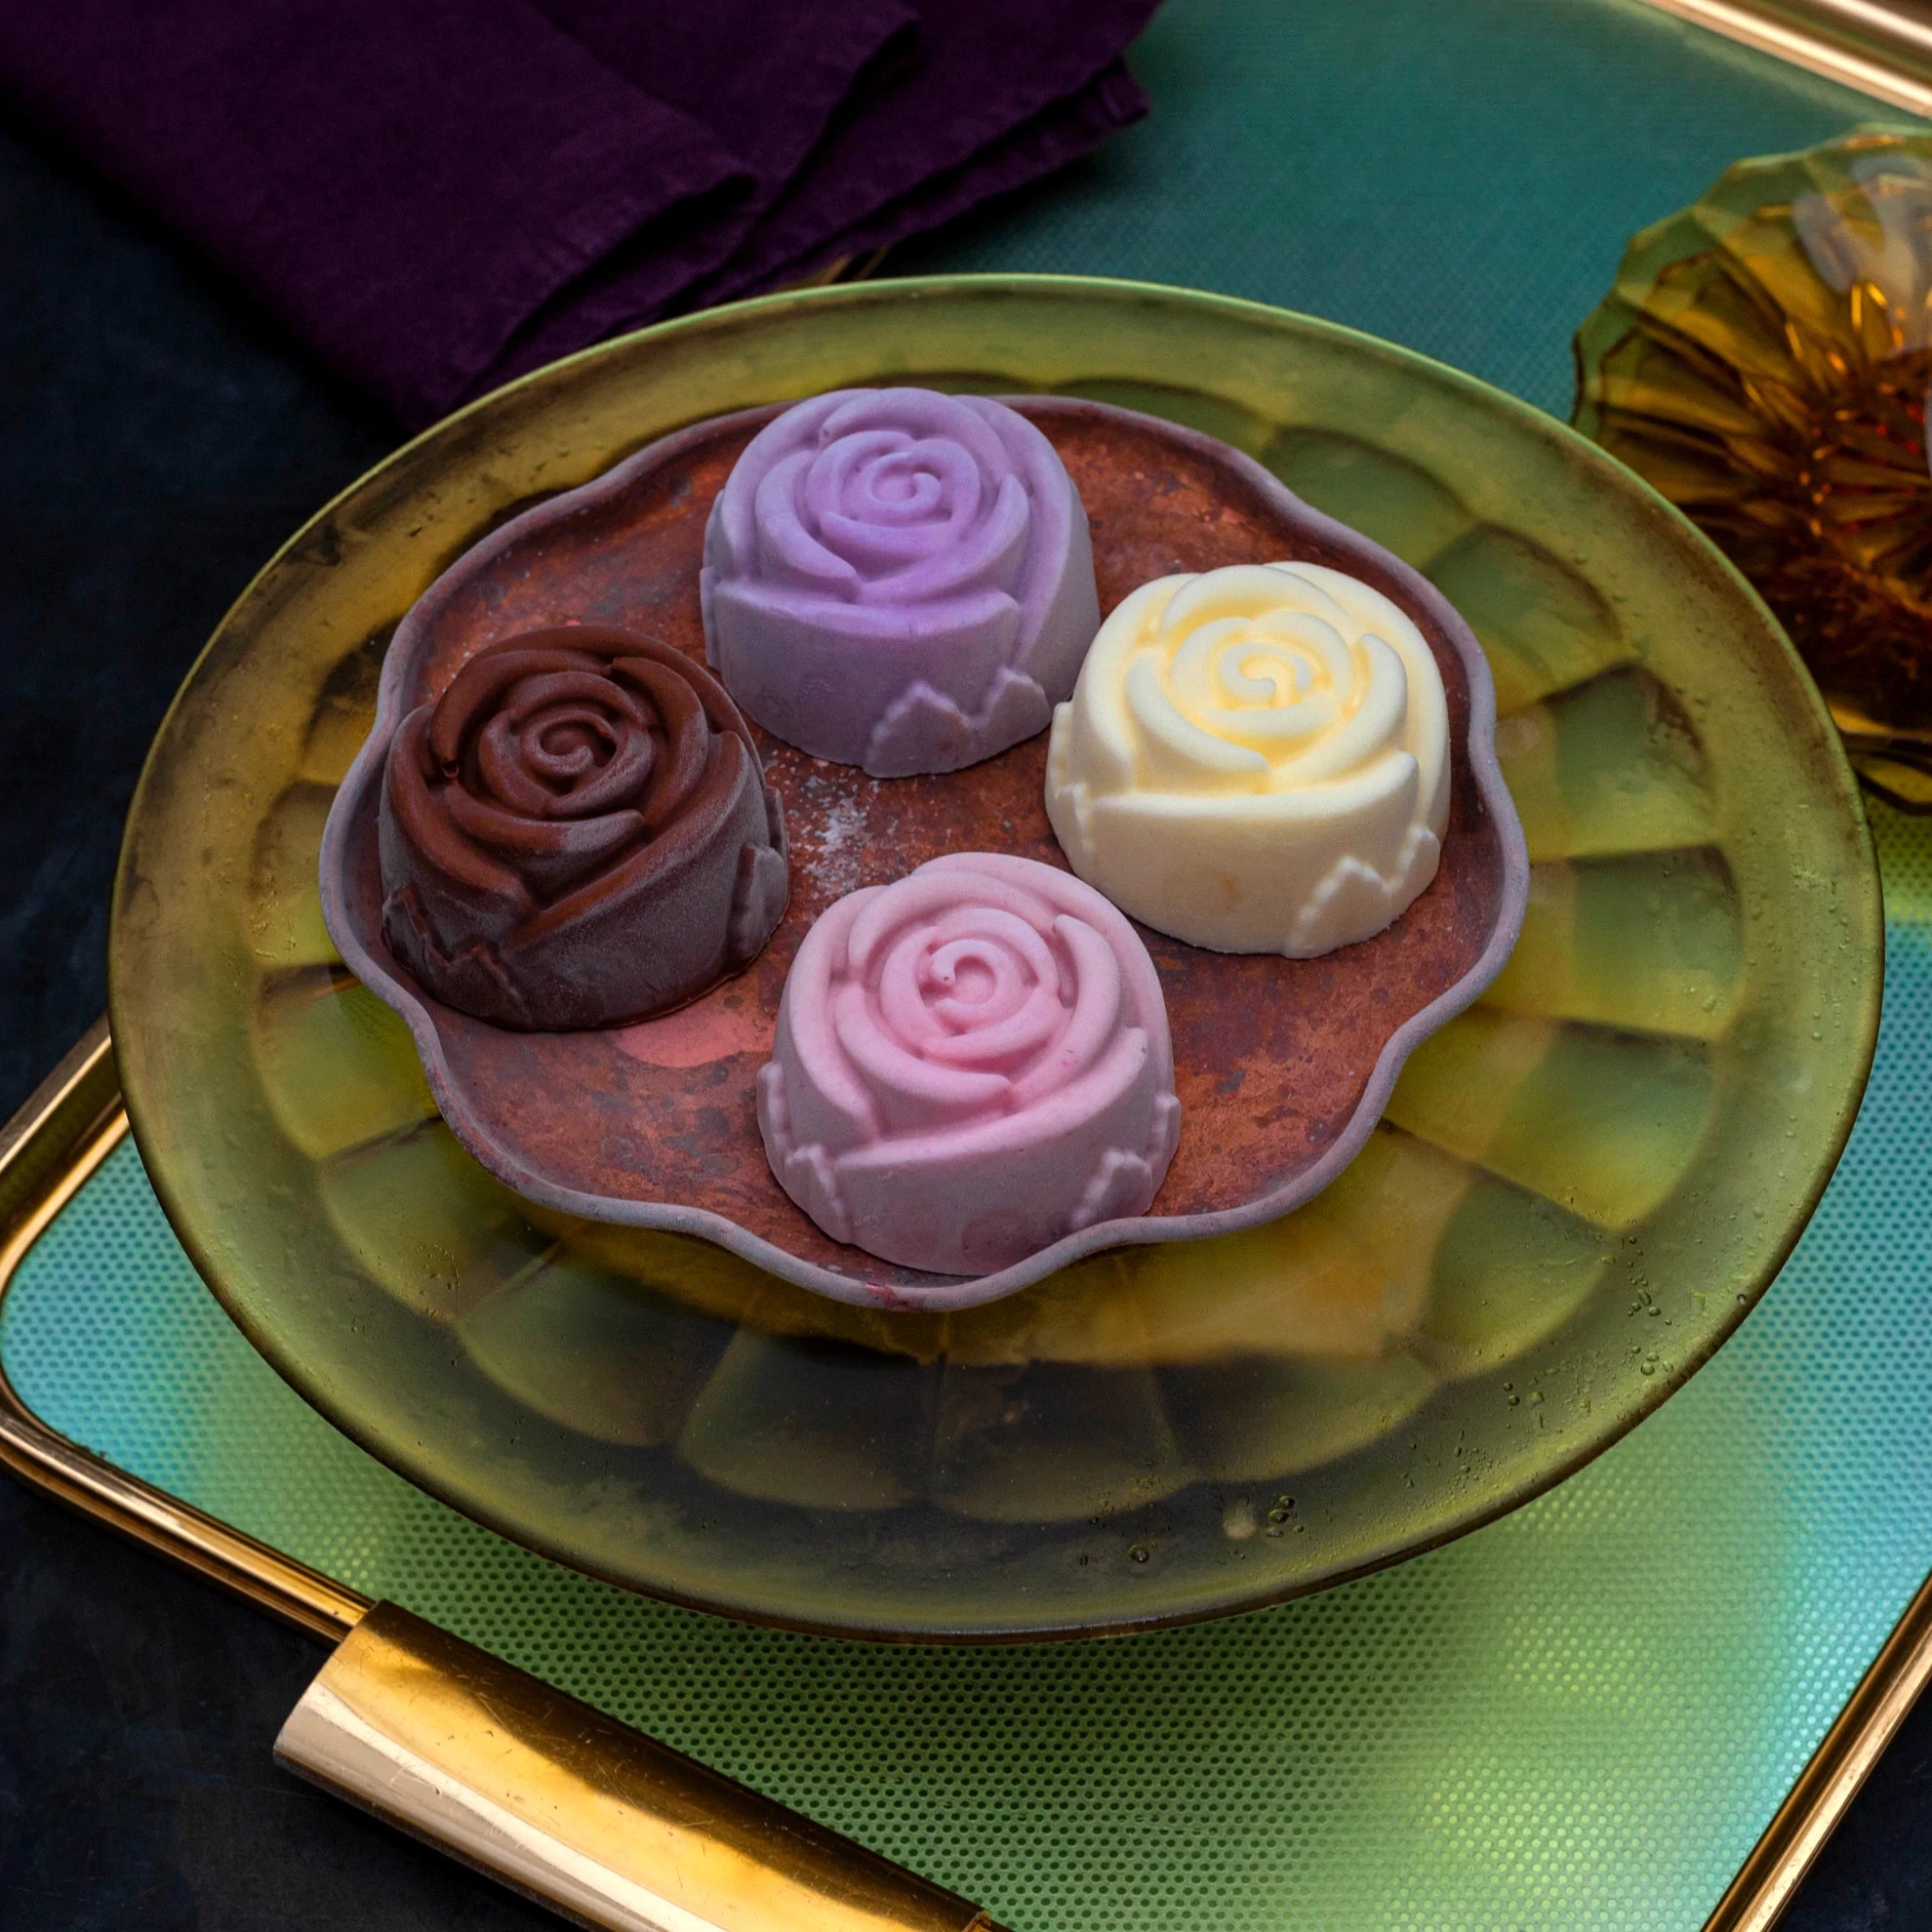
{"x":1283,"y":1066}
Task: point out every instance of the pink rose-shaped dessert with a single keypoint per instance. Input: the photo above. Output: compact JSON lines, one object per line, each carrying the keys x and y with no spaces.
{"x":898,"y":579}
{"x":577,"y":834}
{"x":970,"y":1063}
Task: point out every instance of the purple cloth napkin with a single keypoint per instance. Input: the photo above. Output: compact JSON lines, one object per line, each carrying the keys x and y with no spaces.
{"x":438,"y":194}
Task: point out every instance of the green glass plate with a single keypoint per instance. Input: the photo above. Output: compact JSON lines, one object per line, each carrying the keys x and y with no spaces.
{"x":1580,"y":1186}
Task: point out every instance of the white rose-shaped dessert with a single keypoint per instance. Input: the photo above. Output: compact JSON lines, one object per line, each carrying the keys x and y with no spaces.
{"x":970,"y":1063}
{"x":1255,"y":759}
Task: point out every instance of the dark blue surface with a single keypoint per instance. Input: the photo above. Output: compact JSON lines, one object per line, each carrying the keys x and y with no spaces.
{"x":157,"y":442}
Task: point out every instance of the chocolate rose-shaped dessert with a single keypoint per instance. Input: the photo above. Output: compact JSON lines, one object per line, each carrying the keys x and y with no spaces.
{"x":970,"y":1063}
{"x":578,"y":833}
{"x":898,"y":579}
{"x":1255,"y":759}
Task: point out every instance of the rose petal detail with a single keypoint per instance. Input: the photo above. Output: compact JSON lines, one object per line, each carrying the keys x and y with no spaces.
{"x":680,"y":719}
{"x":988,"y":557}
{"x":546,"y":854}
{"x":898,"y":579}
{"x":959,"y":1055}
{"x":925,"y":731}
{"x":446,"y":866}
{"x":577,"y":834}
{"x":1120,"y":1180}
{"x":889,"y":503}
{"x":788,"y":552}
{"x":809,"y":1175}
{"x":477,"y":691}
{"x":1255,"y":759}
{"x":758,"y":903}
{"x":1095,"y":1020}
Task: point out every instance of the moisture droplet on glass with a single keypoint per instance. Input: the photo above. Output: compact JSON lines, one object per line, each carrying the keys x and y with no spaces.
{"x":1139,"y":1553}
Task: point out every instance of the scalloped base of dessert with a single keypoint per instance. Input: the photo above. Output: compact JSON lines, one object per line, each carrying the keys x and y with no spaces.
{"x":1282,"y":1066}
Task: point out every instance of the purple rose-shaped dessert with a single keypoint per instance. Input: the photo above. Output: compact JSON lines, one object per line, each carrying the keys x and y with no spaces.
{"x":898,"y":579}
{"x":577,"y":834}
{"x":970,"y":1063}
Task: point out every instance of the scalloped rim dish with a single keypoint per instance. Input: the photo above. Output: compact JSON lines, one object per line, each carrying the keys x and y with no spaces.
{"x":339,"y":857}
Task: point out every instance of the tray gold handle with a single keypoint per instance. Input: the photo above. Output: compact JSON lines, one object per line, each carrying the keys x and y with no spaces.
{"x":576,"y":1809}
{"x":1883,"y":47}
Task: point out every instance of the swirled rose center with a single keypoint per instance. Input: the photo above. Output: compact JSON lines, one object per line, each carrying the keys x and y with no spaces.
{"x":978,"y":987}
{"x":873,"y":513}
{"x":1279,"y":695}
{"x":963,"y":977}
{"x":884,"y":501}
{"x":564,"y":744}
{"x":980,"y":1006}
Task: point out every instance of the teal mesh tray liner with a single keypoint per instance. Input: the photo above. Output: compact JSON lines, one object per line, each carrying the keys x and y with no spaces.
{"x":1581,"y":1716}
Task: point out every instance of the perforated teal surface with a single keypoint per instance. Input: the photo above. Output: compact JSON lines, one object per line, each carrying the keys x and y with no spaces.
{"x":1460,"y":178}
{"x":1581,"y":1716}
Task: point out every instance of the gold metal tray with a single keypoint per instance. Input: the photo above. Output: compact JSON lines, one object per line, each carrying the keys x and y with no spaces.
{"x":556,"y":1799}
{"x":1883,"y":47}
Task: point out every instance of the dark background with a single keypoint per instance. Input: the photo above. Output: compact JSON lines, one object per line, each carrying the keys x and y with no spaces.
{"x":158,"y":440}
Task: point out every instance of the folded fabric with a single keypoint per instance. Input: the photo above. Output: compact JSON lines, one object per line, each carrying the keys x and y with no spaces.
{"x":438,"y":194}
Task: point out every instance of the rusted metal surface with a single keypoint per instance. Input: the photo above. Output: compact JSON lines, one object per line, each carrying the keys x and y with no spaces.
{"x":1281,"y":1065}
